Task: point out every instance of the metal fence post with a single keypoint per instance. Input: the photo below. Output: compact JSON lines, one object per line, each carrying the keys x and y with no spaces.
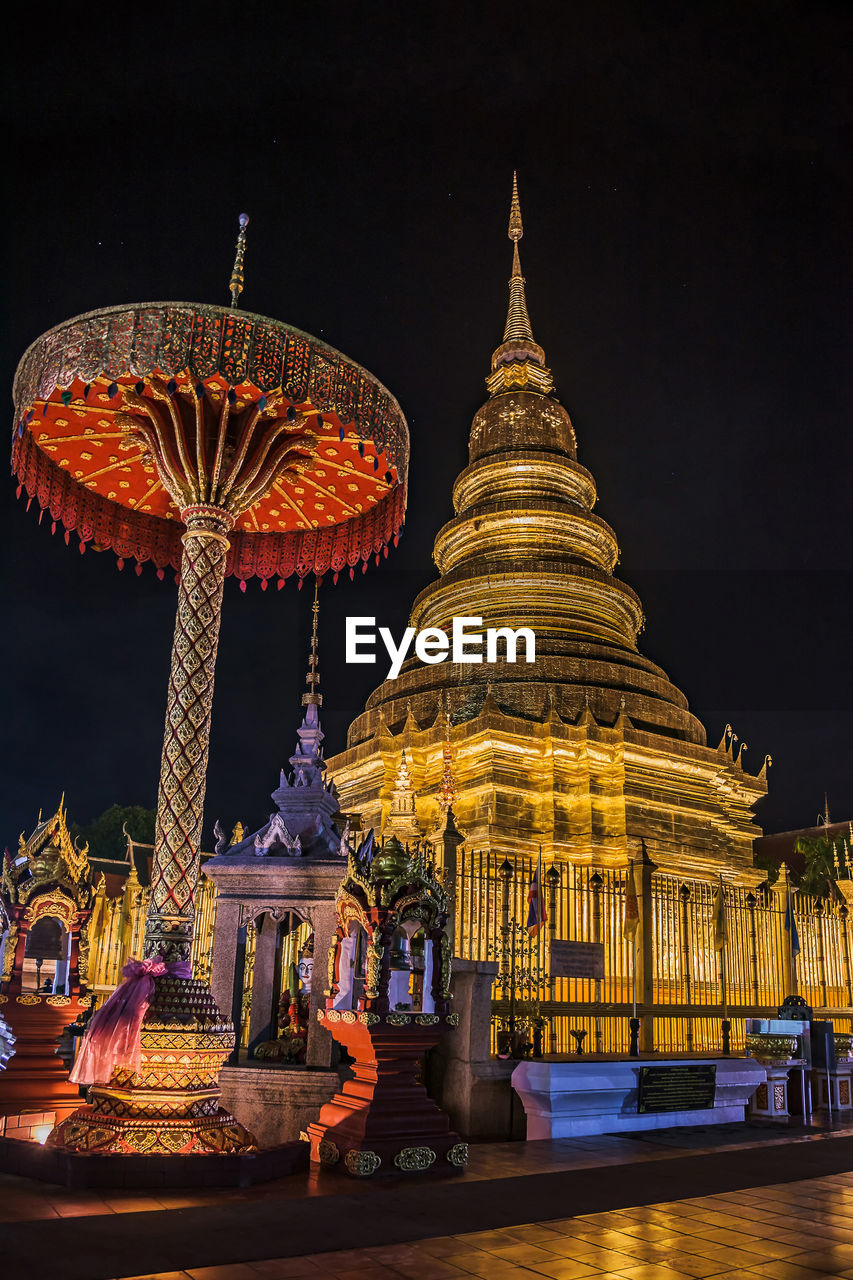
{"x":684,"y":893}
{"x":647,"y":940}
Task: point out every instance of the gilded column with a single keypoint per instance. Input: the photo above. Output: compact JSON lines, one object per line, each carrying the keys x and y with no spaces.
{"x":186,"y":741}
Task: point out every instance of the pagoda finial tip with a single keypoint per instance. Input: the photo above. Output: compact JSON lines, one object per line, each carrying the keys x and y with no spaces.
{"x":516,"y":227}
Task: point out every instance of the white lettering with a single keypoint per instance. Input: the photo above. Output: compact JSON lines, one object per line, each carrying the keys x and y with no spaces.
{"x":460,"y":639}
{"x":354,"y":639}
{"x":397,"y":655}
{"x":432,"y":644}
{"x":511,"y":638}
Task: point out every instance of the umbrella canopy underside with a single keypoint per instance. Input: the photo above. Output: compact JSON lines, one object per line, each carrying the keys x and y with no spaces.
{"x":72,"y":456}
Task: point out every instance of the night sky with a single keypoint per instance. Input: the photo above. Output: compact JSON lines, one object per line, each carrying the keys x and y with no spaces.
{"x":686,"y":190}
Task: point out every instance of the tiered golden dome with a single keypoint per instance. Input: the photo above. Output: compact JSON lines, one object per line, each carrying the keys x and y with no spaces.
{"x":526,"y":549}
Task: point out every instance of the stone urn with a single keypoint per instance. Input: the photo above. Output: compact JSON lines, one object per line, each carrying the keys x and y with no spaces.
{"x":771,"y":1050}
{"x":775,"y":1053}
{"x":843,"y":1046}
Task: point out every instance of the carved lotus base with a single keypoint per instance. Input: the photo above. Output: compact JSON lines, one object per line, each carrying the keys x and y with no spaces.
{"x":89,"y":1131}
{"x":171,"y":1105}
{"x":382,"y":1121}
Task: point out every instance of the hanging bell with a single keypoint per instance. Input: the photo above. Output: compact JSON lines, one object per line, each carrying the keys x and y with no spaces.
{"x":401,"y":951}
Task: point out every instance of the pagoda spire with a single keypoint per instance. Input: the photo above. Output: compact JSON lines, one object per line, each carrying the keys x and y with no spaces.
{"x":519,"y":362}
{"x":517,"y":320}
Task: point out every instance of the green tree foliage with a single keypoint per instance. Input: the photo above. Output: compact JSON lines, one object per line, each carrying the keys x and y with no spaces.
{"x":818,"y":874}
{"x":767,"y":864}
{"x":105,"y":835}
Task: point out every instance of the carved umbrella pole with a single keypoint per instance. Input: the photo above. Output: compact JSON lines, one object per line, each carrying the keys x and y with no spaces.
{"x":177,"y":432}
{"x":216,"y":442}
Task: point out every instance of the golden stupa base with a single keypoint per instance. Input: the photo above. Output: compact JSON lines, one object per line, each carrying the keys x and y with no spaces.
{"x":171,"y":1105}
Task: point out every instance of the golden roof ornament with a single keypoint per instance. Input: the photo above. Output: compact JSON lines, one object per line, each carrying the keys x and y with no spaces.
{"x":518,"y":364}
{"x":402,"y":818}
{"x":47,"y":855}
{"x":447,"y":786}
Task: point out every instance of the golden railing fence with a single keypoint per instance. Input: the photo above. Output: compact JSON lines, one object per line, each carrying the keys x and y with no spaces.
{"x":686,"y":985}
{"x":117,"y":930}
{"x":688,"y":989}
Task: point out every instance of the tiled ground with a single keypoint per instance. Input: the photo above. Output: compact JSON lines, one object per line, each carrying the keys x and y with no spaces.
{"x":23,"y":1199}
{"x":799,"y":1231}
{"x":702,"y":1207}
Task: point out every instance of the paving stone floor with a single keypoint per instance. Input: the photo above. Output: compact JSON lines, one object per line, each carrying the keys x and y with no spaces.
{"x":650,"y":1207}
{"x":802,"y":1231}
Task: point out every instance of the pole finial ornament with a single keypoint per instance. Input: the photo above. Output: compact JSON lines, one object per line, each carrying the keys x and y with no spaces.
{"x":236,"y":283}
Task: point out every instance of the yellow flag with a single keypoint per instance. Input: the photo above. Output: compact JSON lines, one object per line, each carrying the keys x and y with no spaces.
{"x":632,"y":911}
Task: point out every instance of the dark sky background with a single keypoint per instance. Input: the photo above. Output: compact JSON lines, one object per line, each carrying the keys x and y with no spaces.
{"x":686,"y":190}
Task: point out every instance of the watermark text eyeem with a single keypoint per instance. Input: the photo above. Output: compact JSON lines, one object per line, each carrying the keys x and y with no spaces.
{"x":464,"y":644}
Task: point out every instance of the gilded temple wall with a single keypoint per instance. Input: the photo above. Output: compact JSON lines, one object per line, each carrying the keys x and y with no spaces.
{"x":585,"y":792}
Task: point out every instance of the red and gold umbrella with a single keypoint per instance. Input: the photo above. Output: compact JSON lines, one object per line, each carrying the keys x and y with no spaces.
{"x":212,"y":441}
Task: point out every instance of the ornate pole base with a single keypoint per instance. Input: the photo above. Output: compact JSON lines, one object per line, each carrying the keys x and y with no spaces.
{"x":383,"y":1119}
{"x":171,"y":1105}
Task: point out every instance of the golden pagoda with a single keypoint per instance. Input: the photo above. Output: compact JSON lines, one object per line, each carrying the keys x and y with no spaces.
{"x":591,"y":746}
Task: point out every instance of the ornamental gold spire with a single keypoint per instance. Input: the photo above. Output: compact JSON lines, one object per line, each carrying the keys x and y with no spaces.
{"x":519,"y":362}
{"x":447,"y":786}
{"x":402,"y":818}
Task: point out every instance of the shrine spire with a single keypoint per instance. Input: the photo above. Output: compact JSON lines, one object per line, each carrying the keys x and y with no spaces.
{"x":307,"y":760}
{"x":312,"y":679}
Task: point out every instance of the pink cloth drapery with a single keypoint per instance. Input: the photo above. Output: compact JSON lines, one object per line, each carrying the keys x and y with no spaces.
{"x":112,"y":1037}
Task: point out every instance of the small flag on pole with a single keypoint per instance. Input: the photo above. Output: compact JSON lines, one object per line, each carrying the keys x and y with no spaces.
{"x":536,"y":913}
{"x":791,"y":927}
{"x":632,"y":910}
{"x":721,"y":934}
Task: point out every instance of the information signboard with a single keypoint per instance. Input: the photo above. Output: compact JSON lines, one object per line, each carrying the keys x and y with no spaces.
{"x":577,"y":959}
{"x":677,"y":1088}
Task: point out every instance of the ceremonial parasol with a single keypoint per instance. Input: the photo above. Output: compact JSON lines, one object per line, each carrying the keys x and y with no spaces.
{"x":216,"y":442}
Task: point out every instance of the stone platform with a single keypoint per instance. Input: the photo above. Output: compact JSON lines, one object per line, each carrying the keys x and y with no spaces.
{"x":572,"y":1097}
{"x":73,"y":1169}
{"x":109,"y":1233}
